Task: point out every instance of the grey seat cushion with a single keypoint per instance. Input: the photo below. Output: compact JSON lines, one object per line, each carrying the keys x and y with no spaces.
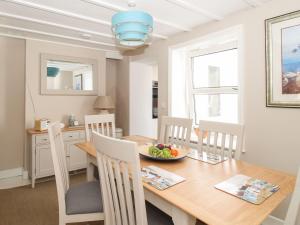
{"x":157,"y":217}
{"x":84,"y":198}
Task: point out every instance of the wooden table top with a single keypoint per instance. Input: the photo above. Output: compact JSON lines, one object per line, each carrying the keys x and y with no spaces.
{"x":198,"y":197}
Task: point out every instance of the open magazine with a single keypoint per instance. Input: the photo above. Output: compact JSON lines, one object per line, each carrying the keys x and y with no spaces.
{"x":249,"y":189}
{"x":160,"y":178}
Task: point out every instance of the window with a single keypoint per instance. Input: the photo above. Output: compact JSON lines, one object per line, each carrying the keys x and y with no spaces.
{"x":213,"y":85}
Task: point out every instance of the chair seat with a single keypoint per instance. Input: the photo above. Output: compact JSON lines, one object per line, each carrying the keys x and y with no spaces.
{"x":84,"y":198}
{"x":157,"y":217}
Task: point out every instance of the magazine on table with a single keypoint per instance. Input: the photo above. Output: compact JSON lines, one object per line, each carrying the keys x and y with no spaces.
{"x":247,"y":188}
{"x":160,"y":178}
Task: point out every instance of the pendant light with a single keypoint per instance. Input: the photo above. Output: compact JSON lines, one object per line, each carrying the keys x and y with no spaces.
{"x":132,"y":27}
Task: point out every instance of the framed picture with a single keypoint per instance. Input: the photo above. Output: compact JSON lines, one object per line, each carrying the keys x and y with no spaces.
{"x":78,"y":82}
{"x":283,"y":60}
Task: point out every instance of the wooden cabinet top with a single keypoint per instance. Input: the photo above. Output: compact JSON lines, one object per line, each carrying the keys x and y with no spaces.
{"x":32,"y":131}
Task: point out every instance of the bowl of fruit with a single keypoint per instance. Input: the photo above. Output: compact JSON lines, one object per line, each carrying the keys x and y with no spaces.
{"x":163,"y":152}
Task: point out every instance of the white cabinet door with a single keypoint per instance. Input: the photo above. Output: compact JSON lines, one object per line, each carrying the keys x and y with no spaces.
{"x":77,"y":159}
{"x":44,"y":164}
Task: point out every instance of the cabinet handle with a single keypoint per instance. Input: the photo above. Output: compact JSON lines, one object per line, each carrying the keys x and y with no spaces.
{"x":45,"y":139}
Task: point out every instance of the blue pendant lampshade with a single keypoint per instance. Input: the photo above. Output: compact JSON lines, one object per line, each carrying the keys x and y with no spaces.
{"x":132,"y":28}
{"x":52,"y":71}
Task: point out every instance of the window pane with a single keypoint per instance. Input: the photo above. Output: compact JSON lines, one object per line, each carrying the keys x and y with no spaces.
{"x":216,"y":107}
{"x":215,"y":69}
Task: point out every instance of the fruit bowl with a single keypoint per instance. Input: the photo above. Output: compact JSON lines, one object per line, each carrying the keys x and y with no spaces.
{"x":162,"y":152}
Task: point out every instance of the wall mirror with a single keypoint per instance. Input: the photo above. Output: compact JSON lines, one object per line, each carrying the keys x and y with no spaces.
{"x":64,"y":75}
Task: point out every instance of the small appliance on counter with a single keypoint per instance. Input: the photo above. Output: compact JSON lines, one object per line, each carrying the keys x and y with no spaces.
{"x":41,"y":124}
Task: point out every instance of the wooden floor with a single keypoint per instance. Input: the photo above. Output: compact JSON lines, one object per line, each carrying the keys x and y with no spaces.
{"x":39,"y":206}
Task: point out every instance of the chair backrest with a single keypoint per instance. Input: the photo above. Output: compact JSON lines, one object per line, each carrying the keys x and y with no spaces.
{"x":293,"y":210}
{"x":102,"y":124}
{"x":222,"y":139}
{"x":175,"y":130}
{"x":123,"y":204}
{"x":59,"y":162}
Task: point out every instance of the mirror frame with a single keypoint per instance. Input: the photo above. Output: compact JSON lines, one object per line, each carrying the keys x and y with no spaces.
{"x":43,"y":75}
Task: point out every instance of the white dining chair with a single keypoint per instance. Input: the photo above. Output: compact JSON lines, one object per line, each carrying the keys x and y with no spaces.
{"x":78,"y":203}
{"x":292,"y":217}
{"x":102,"y":123}
{"x":220,"y":139}
{"x":121,"y":184}
{"x":175,"y":131}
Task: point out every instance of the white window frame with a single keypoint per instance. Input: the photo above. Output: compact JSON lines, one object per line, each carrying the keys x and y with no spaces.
{"x":221,"y":90}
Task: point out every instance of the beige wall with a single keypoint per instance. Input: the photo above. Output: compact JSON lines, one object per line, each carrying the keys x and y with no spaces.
{"x":122,"y":95}
{"x":111,"y":78}
{"x":12,"y":100}
{"x":272,"y":134}
{"x":16,"y":108}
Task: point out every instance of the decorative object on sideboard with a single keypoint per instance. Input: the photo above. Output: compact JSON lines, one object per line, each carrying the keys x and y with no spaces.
{"x":283,"y":60}
{"x":41,"y":124}
{"x":104,"y":103}
{"x":72,"y":121}
{"x":132,"y":28}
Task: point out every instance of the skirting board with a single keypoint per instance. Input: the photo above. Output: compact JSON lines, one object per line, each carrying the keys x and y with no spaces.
{"x":11,"y":173}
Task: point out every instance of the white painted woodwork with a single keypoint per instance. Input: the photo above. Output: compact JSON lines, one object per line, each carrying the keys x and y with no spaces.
{"x":222,"y":139}
{"x":102,"y":123}
{"x":77,"y":158}
{"x":58,"y":35}
{"x":293,"y":210}
{"x":41,"y":159}
{"x":175,"y":131}
{"x":119,"y":206}
{"x":196,"y":9}
{"x":294,"y":205}
{"x":44,"y":164}
{"x":179,"y":217}
{"x":67,"y":21}
{"x":62,"y":178}
{"x":117,"y":8}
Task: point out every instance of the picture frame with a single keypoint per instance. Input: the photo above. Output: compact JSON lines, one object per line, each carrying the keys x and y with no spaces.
{"x":283,"y":61}
{"x":78,"y":82}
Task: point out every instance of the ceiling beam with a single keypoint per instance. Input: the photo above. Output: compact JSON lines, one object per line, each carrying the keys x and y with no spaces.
{"x":253,"y":3}
{"x":192,"y":7}
{"x":58,"y":35}
{"x":14,"y":16}
{"x":67,"y":13}
{"x":117,"y":8}
{"x":109,"y":53}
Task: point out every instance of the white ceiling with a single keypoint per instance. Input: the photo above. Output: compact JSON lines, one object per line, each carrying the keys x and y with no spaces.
{"x":87,"y":22}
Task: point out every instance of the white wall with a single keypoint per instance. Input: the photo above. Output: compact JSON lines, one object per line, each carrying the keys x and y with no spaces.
{"x":141,"y":122}
{"x":272,"y":134}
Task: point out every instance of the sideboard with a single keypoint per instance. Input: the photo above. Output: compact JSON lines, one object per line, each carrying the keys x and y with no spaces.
{"x":40,"y":154}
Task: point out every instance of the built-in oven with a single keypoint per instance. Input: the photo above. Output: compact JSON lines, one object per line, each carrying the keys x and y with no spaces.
{"x":154,"y":99}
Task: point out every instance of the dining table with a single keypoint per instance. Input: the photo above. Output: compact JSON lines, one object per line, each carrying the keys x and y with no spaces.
{"x":196,"y":198}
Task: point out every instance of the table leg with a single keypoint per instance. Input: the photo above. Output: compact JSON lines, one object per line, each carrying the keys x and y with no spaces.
{"x":90,"y":169}
{"x":180,"y":217}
